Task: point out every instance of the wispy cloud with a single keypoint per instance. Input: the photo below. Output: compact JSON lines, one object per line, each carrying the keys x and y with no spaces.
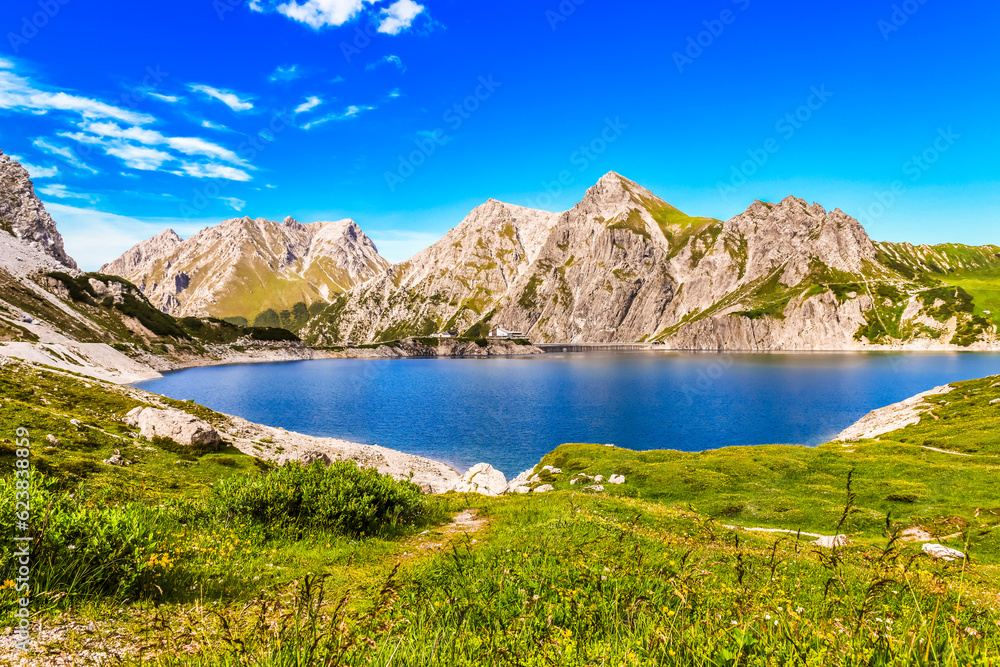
{"x":59,"y":191}
{"x":139,"y":157}
{"x":36,"y":172}
{"x":387,"y":60}
{"x":172,"y":99}
{"x":311,"y":103}
{"x":63,"y":152}
{"x":19,"y":93}
{"x":348,"y":113}
{"x":227,"y":97}
{"x":185,"y":145}
{"x":234,"y":203}
{"x":285,"y":73}
{"x":199,"y":170}
{"x":214,"y":126}
{"x":398,"y":16}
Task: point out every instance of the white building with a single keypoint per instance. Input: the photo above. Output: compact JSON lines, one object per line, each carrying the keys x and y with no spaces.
{"x":500,"y":332}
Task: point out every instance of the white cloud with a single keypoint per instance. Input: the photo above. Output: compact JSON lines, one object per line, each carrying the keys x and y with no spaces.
{"x":19,"y":93}
{"x":337,"y":79}
{"x":59,"y":191}
{"x":34,"y":172}
{"x":214,"y":126}
{"x":185,"y":145}
{"x":390,"y":60}
{"x":398,"y":16}
{"x":319,"y":13}
{"x":234,"y":203}
{"x":139,"y":157}
{"x":285,"y":73}
{"x":200,"y":170}
{"x":395,"y":93}
{"x":63,"y":152}
{"x":270,"y":187}
{"x":348,"y":113}
{"x":229,"y":98}
{"x":94,"y":238}
{"x":172,"y":99}
{"x":311,"y":103}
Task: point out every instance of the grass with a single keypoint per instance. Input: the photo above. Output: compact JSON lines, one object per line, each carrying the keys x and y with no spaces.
{"x":229,"y":563}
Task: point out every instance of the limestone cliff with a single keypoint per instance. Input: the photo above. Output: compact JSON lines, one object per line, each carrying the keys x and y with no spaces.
{"x":23,"y":215}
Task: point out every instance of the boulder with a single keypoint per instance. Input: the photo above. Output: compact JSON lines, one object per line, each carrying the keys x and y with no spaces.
{"x":483,"y":479}
{"x":554,"y":471}
{"x":594,"y":487}
{"x":177,"y":425}
{"x":580,"y":477}
{"x":76,"y":422}
{"x":832,"y":541}
{"x":942,"y":552}
{"x":599,"y":479}
{"x":117,"y":459}
{"x":995,"y":401}
{"x":308,"y":458}
{"x":543,"y":488}
{"x":616,"y":479}
{"x":53,"y":440}
{"x":520,"y":484}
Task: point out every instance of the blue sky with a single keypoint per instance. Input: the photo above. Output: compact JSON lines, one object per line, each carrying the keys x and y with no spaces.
{"x":405,"y":115}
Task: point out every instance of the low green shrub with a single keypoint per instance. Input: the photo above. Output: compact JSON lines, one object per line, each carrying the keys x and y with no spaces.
{"x":342,"y":498}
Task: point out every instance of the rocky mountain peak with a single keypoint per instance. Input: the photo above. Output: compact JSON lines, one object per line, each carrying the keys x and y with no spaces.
{"x":24,"y":216}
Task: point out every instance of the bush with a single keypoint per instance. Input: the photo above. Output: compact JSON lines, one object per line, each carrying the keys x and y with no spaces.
{"x":79,"y":550}
{"x":342,"y":498}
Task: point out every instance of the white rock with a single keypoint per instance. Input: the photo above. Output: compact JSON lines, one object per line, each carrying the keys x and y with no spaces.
{"x":483,"y":479}
{"x":554,"y":471}
{"x":995,"y":401}
{"x":599,"y":479}
{"x":308,"y":458}
{"x":56,"y":442}
{"x":543,"y":488}
{"x":594,"y":487}
{"x":180,"y":426}
{"x":943,"y":552}
{"x":616,"y":479}
{"x":76,"y":422}
{"x":519,"y":489}
{"x":832,"y":542}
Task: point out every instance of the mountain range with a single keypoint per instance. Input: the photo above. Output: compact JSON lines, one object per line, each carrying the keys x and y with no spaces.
{"x":622,"y":265}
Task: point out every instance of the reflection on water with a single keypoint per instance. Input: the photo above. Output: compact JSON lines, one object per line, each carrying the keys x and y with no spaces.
{"x":511,"y":411}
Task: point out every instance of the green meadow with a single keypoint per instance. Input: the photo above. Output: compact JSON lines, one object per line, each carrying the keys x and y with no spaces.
{"x":216,"y":558}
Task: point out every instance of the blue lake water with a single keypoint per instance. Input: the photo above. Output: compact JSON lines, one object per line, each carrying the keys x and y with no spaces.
{"x":511,"y":411}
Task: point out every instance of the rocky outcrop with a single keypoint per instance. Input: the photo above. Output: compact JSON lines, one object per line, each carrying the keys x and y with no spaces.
{"x":243,"y":266}
{"x":941,"y":552}
{"x":23,"y":215}
{"x":181,"y":427}
{"x":483,"y":479}
{"x":891,"y":418}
